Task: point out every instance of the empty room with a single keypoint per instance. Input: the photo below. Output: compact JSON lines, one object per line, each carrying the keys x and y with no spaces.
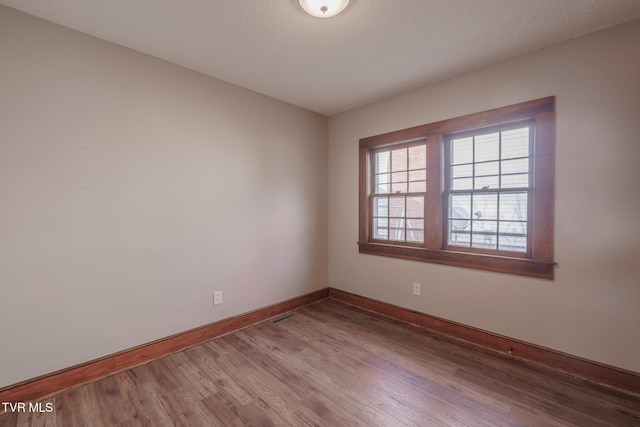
{"x":319,"y":213}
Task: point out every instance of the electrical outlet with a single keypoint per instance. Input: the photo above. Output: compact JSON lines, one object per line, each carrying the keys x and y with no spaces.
{"x":417,"y":289}
{"x":217,"y":297}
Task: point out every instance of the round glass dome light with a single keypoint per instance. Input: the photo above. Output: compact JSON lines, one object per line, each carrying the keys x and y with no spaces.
{"x":323,"y":8}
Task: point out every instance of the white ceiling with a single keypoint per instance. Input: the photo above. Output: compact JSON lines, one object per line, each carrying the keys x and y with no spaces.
{"x":374,"y":49}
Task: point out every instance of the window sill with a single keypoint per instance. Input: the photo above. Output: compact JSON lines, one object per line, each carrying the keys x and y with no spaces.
{"x":495,"y":263}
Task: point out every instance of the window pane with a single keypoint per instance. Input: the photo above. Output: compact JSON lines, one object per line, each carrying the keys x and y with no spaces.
{"x":460,"y":206}
{"x":382,"y":183}
{"x":415,"y":207}
{"x":418,"y":157}
{"x":417,"y":186}
{"x":399,"y":160}
{"x":399,"y":177}
{"x":396,"y":229}
{"x":512,"y":243}
{"x":513,"y":206}
{"x":380,"y":228}
{"x":418,"y":175}
{"x":485,"y":206}
{"x":462,"y":171}
{"x":380,"y":206}
{"x":399,"y":187}
{"x":462,"y":151}
{"x":462,"y":184}
{"x":399,"y":182}
{"x":513,"y":236}
{"x":382,"y":162}
{"x":513,"y":228}
{"x":459,"y":236}
{"x":513,"y":222}
{"x":396,"y":206}
{"x":459,"y":219}
{"x":486,"y":147}
{"x":415,"y":230}
{"x":484,"y":234}
{"x":417,"y":180}
{"x":515,"y":143}
{"x":487,"y":182}
{"x":515,"y":181}
{"x":489,"y":168}
{"x":515,"y":166}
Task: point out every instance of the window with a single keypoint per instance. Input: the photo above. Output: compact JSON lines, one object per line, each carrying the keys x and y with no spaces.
{"x":398,"y":196}
{"x":487,"y":189}
{"x":474,"y":191}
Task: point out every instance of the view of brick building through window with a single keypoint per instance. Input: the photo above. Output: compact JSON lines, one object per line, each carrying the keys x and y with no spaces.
{"x":398,"y":203}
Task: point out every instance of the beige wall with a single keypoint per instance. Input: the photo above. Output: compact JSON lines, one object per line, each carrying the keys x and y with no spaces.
{"x":592,"y":309}
{"x":131,"y":189}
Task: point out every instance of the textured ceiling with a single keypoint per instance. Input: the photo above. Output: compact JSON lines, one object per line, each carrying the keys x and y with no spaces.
{"x":374,"y":49}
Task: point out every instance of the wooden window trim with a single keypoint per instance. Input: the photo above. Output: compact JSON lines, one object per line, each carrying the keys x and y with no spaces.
{"x":539,"y":261}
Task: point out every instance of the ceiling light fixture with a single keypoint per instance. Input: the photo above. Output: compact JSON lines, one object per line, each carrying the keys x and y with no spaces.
{"x":323,"y":8}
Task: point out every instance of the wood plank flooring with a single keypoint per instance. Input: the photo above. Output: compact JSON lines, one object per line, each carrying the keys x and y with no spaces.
{"x":334,"y":365}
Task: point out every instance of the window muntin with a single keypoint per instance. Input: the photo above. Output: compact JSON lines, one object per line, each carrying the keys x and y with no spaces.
{"x":398,"y":197}
{"x":487,"y":189}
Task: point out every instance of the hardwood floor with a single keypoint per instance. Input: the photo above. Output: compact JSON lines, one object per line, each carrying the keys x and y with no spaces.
{"x":331,"y":364}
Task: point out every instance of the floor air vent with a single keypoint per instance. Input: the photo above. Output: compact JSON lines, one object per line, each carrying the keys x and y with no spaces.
{"x":280,"y":319}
